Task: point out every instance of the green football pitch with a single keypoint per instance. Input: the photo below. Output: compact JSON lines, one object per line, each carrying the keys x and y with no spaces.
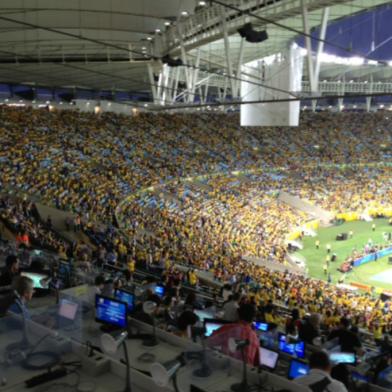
{"x":377,"y":274}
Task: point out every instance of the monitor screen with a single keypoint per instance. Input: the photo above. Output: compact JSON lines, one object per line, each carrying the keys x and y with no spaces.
{"x":127,"y":297}
{"x":298,"y":369}
{"x":211,"y":325}
{"x":263,"y":327}
{"x":40,"y":281}
{"x":202,"y":314}
{"x":336,"y":358}
{"x":68,"y":309}
{"x":160,"y":290}
{"x":110,"y":311}
{"x":296,"y":349}
{"x":360,"y":377}
{"x":268,"y":358}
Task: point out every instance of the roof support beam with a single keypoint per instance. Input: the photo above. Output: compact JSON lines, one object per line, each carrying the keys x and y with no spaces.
{"x":227,"y":50}
{"x":320,"y":46}
{"x":308,"y":43}
{"x":313,"y":64}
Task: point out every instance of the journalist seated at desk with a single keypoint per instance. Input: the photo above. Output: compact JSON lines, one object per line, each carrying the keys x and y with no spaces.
{"x":319,"y":378}
{"x":348,"y":338}
{"x":10,"y":271}
{"x":241,"y":330}
{"x":17,"y":303}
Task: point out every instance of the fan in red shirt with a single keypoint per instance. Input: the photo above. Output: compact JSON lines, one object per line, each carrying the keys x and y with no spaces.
{"x":242,"y":330}
{"x":23,"y":238}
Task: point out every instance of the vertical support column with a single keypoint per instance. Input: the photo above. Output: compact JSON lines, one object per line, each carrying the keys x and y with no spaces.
{"x":204,"y":94}
{"x":340,"y":104}
{"x":341,"y":92}
{"x":236,"y":93}
{"x":184,"y":60}
{"x":165,"y":83}
{"x":314,"y":66}
{"x":369,"y":99}
{"x":225,"y":90}
{"x":194,"y":74}
{"x":152,"y":82}
{"x":368,"y":103}
{"x":308,"y":44}
{"x":227,"y":50}
{"x":175,"y":84}
{"x":320,"y":46}
{"x":160,"y":85}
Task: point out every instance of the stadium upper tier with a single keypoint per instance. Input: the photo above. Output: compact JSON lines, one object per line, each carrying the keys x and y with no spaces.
{"x":88,"y":162}
{"x":97,"y":164}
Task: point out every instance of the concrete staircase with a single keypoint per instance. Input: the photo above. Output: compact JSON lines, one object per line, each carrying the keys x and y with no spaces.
{"x":314,"y":211}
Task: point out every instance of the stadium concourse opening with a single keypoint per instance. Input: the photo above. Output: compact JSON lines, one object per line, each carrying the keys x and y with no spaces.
{"x":149,"y":241}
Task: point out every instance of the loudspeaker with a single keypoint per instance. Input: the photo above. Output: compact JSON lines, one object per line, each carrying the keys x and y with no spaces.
{"x":245,"y":30}
{"x":257,"y":36}
{"x":251,"y":35}
{"x":171,"y":62}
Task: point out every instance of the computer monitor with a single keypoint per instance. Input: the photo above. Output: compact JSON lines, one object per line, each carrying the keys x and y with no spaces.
{"x":202,"y":314}
{"x":159,"y":290}
{"x":337,"y":358}
{"x":259,"y":326}
{"x":268,"y":358}
{"x":67,"y":309}
{"x":297,"y":369}
{"x":127,"y":297}
{"x":110,"y":311}
{"x":211,"y":325}
{"x":40,"y":281}
{"x":356,"y":376}
{"x":296,"y":349}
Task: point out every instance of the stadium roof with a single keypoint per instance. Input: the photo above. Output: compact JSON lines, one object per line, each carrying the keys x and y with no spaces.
{"x":106,"y":45}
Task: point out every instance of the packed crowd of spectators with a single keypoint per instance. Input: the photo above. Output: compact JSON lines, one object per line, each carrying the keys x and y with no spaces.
{"x":22,"y":218}
{"x":227,"y":209}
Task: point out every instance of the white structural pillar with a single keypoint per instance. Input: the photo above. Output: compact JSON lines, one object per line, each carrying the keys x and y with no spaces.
{"x":341,"y":91}
{"x":194,"y":74}
{"x":313,"y":65}
{"x":308,"y":43}
{"x":175,"y":84}
{"x":237,"y":92}
{"x":369,"y":99}
{"x":281,"y":78}
{"x":152,"y":82}
{"x":320,"y":46}
{"x":227,"y":49}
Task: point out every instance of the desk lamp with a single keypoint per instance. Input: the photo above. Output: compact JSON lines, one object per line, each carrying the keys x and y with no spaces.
{"x":110,"y":346}
{"x":162,"y":373}
{"x":235,"y":345}
{"x":149,"y":307}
